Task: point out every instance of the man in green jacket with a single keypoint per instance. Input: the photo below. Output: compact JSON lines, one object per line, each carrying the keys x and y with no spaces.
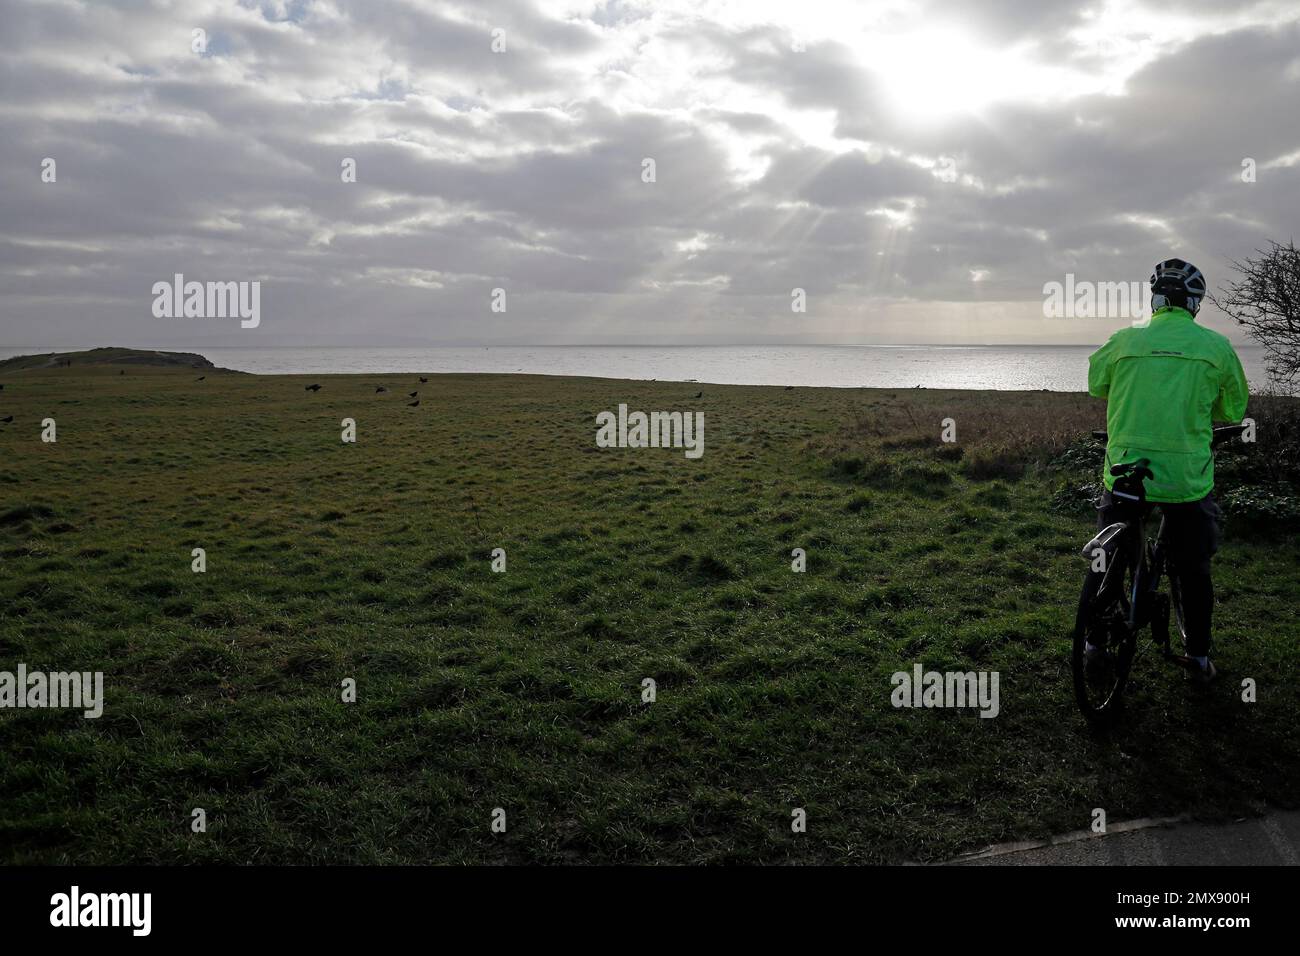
{"x":1166,"y":382}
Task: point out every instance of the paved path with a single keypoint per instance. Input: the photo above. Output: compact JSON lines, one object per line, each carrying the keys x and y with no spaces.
{"x":1270,"y":840}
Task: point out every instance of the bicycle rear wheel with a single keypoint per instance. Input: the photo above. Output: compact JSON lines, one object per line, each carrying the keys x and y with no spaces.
{"x":1176,"y":600}
{"x":1101,"y":620}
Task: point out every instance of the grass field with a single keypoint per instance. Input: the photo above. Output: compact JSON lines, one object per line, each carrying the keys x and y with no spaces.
{"x":523,"y":690}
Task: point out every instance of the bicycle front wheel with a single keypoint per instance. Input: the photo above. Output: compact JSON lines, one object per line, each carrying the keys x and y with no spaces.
{"x":1101,"y":620}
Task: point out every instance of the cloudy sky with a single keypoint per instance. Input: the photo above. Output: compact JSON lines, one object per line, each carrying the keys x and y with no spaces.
{"x":921,"y":170}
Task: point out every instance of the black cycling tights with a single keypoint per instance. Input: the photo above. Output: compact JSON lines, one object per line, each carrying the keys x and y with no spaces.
{"x":1198,"y":607}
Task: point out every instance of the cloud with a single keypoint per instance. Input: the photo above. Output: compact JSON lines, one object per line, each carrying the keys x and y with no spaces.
{"x":783,"y":157}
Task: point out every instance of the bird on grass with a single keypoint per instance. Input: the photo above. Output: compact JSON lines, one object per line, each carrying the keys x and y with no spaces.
{"x":313,"y":388}
{"x":200,"y":378}
{"x":423,"y":380}
{"x":380,"y":389}
{"x":699,"y":394}
{"x":413,"y":394}
{"x":414,"y":404}
{"x":7,"y":420}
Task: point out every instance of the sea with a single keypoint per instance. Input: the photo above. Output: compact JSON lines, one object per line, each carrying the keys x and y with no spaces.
{"x":1059,"y":368}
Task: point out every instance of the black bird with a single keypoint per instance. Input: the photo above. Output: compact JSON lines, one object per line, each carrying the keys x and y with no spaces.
{"x":123,"y":372}
{"x":423,"y":380}
{"x":7,"y":420}
{"x":313,"y":388}
{"x":2,"y":388}
{"x":413,"y":394}
{"x":699,"y":394}
{"x":200,"y":378}
{"x":788,"y":387}
{"x":380,"y":389}
{"x":414,"y":404}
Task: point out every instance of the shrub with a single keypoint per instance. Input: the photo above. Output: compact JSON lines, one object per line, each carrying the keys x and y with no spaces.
{"x":1075,"y":496}
{"x":1264,"y":505}
{"x":1274,"y":456}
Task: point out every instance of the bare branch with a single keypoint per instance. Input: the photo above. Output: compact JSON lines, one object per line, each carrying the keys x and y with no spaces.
{"x":1265,"y":298}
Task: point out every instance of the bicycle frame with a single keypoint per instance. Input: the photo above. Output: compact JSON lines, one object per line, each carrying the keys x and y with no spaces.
{"x":1147,"y":559}
{"x":1149,"y":568}
{"x":1138,"y":556}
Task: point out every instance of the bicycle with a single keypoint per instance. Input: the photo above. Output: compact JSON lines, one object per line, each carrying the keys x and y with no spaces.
{"x":1122,"y":596}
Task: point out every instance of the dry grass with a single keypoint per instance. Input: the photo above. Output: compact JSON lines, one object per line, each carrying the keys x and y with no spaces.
{"x":998,"y":435}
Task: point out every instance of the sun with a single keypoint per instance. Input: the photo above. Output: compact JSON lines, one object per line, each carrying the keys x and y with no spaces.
{"x":940,"y":74}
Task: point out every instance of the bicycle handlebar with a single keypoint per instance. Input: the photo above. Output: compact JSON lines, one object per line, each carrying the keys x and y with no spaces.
{"x":1221,"y":434}
{"x":1225,"y":432}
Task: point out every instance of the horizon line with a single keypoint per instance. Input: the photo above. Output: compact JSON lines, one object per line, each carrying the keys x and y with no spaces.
{"x":571,"y":345}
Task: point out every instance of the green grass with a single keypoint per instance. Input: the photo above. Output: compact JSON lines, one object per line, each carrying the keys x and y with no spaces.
{"x":522,"y":690}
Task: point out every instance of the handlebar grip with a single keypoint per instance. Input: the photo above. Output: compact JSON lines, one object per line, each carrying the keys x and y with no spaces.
{"x":1225,"y":433}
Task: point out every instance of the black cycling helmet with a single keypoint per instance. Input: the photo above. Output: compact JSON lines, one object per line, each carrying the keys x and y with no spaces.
{"x":1175,"y":282}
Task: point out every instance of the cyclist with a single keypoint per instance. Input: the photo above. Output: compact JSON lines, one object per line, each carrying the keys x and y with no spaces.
{"x":1166,"y":381}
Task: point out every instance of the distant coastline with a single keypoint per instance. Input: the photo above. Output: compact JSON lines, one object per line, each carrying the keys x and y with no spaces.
{"x":106,"y":356}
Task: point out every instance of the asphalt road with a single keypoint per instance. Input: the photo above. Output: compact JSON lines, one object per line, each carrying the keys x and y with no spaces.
{"x":1270,"y":840}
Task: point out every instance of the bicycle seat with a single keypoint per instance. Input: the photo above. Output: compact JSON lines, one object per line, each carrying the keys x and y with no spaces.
{"x":1138,"y":469}
{"x":1129,"y":478}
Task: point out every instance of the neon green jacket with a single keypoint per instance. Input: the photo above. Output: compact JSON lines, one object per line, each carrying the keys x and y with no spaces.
{"x":1166,"y":383}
